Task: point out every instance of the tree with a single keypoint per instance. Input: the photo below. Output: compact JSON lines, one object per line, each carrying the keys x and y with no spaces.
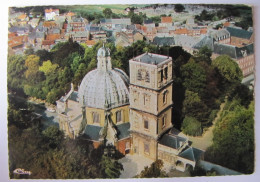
{"x":194,"y":106}
{"x":234,"y":130}
{"x":179,"y":8}
{"x":47,"y":67}
{"x":191,"y":126}
{"x":107,"y":13}
{"x":53,"y":135}
{"x":15,"y":73}
{"x":110,"y":168}
{"x":32,"y":64}
{"x":228,"y":69}
{"x":154,"y":171}
{"x":194,"y":76}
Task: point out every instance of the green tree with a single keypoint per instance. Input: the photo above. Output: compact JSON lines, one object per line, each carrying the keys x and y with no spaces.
{"x":194,"y":76}
{"x":15,"y":72}
{"x":53,"y":135}
{"x":110,"y":168}
{"x":47,"y":67}
{"x":228,"y":69}
{"x":191,"y":126}
{"x":194,"y":106}
{"x":179,"y":8}
{"x":32,"y":65}
{"x":154,"y":171}
{"x":234,"y":129}
{"x":107,"y":13}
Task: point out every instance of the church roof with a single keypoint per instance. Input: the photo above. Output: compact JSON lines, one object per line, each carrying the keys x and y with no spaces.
{"x":104,"y":87}
{"x":91,"y":132}
{"x":236,"y":32}
{"x":172,"y":141}
{"x":123,"y":130}
{"x":192,"y":154}
{"x":162,"y":41}
{"x":150,"y":58}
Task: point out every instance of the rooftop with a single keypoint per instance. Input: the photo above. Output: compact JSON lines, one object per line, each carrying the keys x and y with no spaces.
{"x":150,"y":58}
{"x":172,"y":141}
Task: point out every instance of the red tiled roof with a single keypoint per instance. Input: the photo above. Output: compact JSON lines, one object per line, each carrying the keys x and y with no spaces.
{"x":52,"y":36}
{"x":49,"y":24}
{"x":70,"y":14}
{"x":226,"y":24}
{"x":90,"y":42}
{"x":203,"y":31}
{"x":22,"y":17}
{"x":181,"y":31}
{"x":51,"y":10}
{"x":167,"y":19}
{"x":47,"y":42}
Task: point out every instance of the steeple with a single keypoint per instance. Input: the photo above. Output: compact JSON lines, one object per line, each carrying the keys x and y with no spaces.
{"x":104,"y":60}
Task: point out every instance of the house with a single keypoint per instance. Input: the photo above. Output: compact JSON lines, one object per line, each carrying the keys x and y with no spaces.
{"x":240,"y":37}
{"x":90,"y":43}
{"x":77,"y":24}
{"x":137,"y":36}
{"x":21,"y":30}
{"x":186,"y":42}
{"x":50,"y":14}
{"x":122,"y":40}
{"x":36,"y":38}
{"x":34,"y":22}
{"x":112,"y":23}
{"x":244,"y":56}
{"x":181,"y":31}
{"x":164,"y":41}
{"x":47,"y":44}
{"x":149,"y":23}
{"x":80,"y":36}
{"x":166,"y":21}
{"x":221,"y":36}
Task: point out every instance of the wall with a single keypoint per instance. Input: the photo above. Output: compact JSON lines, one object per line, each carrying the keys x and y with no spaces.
{"x":220,"y":169}
{"x":138,"y":146}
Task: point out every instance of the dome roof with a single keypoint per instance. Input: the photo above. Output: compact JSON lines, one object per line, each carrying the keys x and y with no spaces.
{"x":104,"y":89}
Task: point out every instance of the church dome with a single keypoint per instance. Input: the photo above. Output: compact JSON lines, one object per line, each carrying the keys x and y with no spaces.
{"x":104,"y":87}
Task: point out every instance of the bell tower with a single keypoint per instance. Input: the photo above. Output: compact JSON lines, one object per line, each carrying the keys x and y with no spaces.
{"x":150,"y":102}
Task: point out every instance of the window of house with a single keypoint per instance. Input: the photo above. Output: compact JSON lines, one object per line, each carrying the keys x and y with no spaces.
{"x":146,"y":148}
{"x":164,"y":121}
{"x":139,"y":75}
{"x":119,"y":116}
{"x":146,"y":124}
{"x":96,"y":118}
{"x":166,"y":72}
{"x":161,"y":75}
{"x":147,"y":77}
{"x":165,"y":97}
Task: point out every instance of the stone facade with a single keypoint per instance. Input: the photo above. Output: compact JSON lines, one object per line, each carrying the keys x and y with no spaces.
{"x":150,"y":101}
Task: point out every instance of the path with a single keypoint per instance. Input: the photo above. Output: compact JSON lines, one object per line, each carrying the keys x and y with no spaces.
{"x":204,"y":141}
{"x":133,"y":165}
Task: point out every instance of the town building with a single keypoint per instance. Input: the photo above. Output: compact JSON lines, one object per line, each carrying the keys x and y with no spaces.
{"x":50,"y":14}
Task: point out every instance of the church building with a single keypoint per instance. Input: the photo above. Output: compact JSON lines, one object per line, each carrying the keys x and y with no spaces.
{"x":133,"y":115}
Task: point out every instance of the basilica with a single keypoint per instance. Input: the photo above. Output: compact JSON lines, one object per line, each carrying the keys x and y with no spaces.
{"x":133,"y":114}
